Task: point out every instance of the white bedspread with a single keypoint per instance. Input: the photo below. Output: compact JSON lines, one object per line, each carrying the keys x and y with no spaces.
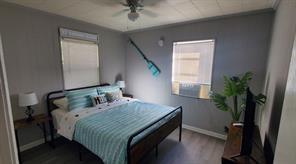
{"x":67,"y":123}
{"x":57,"y":116}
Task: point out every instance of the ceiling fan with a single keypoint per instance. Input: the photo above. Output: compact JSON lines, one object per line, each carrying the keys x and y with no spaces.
{"x":134,"y":7}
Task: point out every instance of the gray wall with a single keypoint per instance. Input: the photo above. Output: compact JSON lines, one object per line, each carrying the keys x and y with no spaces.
{"x":283,"y":33}
{"x":31,"y":48}
{"x":241,"y":45}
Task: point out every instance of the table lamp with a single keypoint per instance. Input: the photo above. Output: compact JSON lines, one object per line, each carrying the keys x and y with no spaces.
{"x":121,"y":84}
{"x":27,"y":100}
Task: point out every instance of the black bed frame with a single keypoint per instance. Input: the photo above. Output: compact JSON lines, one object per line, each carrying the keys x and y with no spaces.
{"x":138,"y":150}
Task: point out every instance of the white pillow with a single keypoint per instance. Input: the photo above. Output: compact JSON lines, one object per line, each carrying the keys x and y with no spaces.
{"x":112,"y":96}
{"x":62,"y":103}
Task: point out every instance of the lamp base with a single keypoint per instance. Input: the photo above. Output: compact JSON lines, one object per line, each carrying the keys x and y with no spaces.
{"x":29,"y":113}
{"x":121,"y":89}
{"x":30,"y":119}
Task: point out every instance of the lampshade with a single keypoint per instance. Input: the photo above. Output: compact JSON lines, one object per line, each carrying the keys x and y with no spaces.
{"x":27,"y":99}
{"x":121,"y":84}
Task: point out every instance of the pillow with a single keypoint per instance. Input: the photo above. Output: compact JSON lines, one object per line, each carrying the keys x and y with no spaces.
{"x":106,"y":89}
{"x":80,"y":98}
{"x":99,"y":99}
{"x":61,"y":103}
{"x":112,"y":96}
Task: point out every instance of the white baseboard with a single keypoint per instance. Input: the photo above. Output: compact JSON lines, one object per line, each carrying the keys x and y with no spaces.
{"x":188,"y":127}
{"x":35,"y":143}
{"x":203,"y":131}
{"x":32,"y":144}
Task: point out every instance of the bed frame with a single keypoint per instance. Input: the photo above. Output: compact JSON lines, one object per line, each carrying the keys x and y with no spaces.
{"x":138,"y":150}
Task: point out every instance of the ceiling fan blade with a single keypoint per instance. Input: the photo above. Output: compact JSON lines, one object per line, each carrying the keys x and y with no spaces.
{"x":120,"y":12}
{"x":140,"y":4}
{"x":109,"y":2}
{"x":149,"y":2}
{"x":124,"y":4}
{"x":148,"y":13}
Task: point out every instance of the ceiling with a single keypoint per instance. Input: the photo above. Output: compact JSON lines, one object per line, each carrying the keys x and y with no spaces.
{"x":102,"y":12}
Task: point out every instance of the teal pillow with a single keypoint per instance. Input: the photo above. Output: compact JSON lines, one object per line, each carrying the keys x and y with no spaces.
{"x":108,"y":89}
{"x":80,"y":98}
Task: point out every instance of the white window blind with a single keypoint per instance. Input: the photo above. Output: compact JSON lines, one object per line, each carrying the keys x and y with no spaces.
{"x":192,"y":68}
{"x":80,"y":63}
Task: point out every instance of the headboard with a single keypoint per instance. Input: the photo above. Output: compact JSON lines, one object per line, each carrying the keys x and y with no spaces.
{"x":51,"y":96}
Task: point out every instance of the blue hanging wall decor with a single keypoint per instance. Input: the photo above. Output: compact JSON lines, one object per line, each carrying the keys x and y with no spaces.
{"x":150,"y":65}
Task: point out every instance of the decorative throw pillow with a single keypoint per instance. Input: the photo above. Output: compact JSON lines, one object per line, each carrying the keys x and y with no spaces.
{"x":80,"y":98}
{"x":106,"y":89}
{"x":112,"y":96}
{"x":99,"y":99}
{"x":61,"y":103}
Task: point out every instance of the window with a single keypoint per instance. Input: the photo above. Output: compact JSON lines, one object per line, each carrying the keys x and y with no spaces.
{"x":192,"y":68}
{"x":80,"y":59}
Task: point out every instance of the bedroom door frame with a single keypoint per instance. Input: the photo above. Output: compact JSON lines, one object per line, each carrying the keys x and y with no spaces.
{"x":285,"y":146}
{"x":8,"y":149}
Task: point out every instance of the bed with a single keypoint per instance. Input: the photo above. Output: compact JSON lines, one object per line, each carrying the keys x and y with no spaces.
{"x":120,"y":132}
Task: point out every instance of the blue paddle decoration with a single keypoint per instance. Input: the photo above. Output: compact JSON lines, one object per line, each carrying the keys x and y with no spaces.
{"x":150,"y":65}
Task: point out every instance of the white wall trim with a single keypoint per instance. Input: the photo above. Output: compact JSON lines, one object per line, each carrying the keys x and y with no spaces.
{"x":188,"y":127}
{"x":203,"y":131}
{"x":31,"y":145}
{"x":8,"y":147}
{"x":275,"y":3}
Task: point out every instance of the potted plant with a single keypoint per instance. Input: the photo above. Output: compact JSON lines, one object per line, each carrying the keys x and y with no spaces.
{"x":233,"y":97}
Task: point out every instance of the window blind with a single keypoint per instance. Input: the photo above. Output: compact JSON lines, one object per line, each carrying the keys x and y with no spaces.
{"x":192,"y":67}
{"x":80,"y":63}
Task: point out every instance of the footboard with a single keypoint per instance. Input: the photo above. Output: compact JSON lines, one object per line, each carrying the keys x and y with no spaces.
{"x":136,"y":151}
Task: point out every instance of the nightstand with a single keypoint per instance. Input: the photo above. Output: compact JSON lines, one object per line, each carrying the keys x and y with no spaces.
{"x":39,"y":120}
{"x":127,"y":95}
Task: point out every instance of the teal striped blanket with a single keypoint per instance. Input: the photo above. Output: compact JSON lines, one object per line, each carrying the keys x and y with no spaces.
{"x":106,"y":133}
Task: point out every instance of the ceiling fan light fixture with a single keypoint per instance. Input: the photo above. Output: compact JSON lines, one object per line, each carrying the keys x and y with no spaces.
{"x":133,"y":16}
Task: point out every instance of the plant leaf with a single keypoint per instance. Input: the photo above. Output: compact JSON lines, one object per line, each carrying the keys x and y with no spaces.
{"x":219,"y":101}
{"x":247,"y":77}
{"x":239,"y":114}
{"x":229,"y":87}
{"x":243,"y":83}
{"x":260,"y":99}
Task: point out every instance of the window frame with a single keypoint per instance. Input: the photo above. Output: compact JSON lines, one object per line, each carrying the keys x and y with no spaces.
{"x":212,"y":71}
{"x":60,"y":38}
